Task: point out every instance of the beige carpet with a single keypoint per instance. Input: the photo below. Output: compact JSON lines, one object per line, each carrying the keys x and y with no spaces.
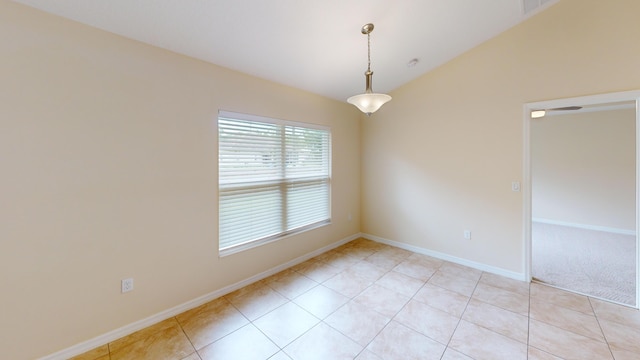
{"x":596,"y":263}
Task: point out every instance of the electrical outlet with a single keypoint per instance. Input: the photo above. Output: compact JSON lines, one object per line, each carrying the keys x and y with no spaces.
{"x":127,"y":285}
{"x":467,"y":234}
{"x":349,"y":217}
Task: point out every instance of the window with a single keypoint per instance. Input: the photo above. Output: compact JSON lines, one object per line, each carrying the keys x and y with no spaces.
{"x":274,"y":179}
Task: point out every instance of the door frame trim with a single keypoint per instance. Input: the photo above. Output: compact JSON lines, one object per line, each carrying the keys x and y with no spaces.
{"x":526,"y":183}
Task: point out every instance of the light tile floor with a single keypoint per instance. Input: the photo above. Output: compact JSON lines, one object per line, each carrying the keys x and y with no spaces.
{"x":366,"y":301}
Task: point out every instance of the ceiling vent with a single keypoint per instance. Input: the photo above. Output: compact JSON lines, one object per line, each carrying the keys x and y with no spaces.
{"x":529,"y":6}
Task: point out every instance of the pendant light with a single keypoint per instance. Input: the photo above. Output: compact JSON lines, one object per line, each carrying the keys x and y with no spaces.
{"x":369,"y":102}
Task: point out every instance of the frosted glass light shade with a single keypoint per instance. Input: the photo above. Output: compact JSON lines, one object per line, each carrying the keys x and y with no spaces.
{"x":369,"y":103}
{"x":536,"y":114}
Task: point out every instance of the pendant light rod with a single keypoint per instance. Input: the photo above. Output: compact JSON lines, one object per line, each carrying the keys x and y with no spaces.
{"x":369,"y":102}
{"x":367,"y":29}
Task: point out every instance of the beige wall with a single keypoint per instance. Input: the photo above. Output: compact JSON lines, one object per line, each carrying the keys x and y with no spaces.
{"x":583,"y":168}
{"x":440,"y":157}
{"x":109,"y":170}
{"x":109,"y":161}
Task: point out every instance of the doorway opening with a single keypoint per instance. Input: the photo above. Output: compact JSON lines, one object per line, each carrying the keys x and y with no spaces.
{"x":581,"y":195}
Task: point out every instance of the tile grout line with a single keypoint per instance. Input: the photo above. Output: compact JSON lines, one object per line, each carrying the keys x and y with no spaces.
{"x":604,"y":336}
{"x":322,"y":321}
{"x":549,"y":324}
{"x":461,"y":315}
{"x":446,"y":346}
{"x":241,"y":327}
{"x":364,"y":348}
{"x":351,"y":299}
{"x":390,"y":319}
{"x":340,"y":307}
{"x":187,"y":336}
{"x":265,"y":335}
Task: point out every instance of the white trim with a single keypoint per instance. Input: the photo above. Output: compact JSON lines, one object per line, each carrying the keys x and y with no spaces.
{"x":271,"y":188}
{"x":585,"y":226}
{"x":584,"y":100}
{"x":453,"y":259}
{"x":633,"y":95}
{"x":163,"y":315}
{"x":637,"y":95}
{"x":526,"y":194}
{"x":552,"y":112}
{"x":270,"y":239}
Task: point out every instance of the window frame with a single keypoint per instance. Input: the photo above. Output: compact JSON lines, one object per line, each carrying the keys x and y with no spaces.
{"x":283,"y":182}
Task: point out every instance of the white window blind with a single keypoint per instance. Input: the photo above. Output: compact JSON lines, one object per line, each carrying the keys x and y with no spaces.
{"x":274,"y":179}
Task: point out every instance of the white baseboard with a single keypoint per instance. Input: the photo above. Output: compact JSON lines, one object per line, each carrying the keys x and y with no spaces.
{"x":453,"y":259}
{"x":585,"y":226}
{"x":154,"y":319}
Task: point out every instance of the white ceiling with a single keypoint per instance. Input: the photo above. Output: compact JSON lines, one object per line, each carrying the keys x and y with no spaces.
{"x":311,"y":45}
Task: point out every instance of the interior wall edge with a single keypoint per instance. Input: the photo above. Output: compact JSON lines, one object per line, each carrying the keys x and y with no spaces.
{"x":442,"y":256}
{"x":201,"y":300}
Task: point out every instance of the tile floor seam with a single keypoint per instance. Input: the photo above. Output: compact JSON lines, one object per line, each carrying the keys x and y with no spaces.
{"x":604,"y":336}
{"x":410,"y":296}
{"x":354,"y":340}
{"x":305,"y":332}
{"x":249,"y":322}
{"x":341,"y":254}
{"x":274,"y":343}
{"x":602,"y":340}
{"x":384,"y":327}
{"x":534,"y":281}
{"x":186,"y":335}
{"x":458,"y":324}
{"x":574,"y":333}
{"x":493,"y":331}
{"x":297,"y":296}
{"x":402,"y":308}
{"x":412,"y":299}
{"x":544,"y":351}
{"x":498,"y":306}
{"x":624,"y":306}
